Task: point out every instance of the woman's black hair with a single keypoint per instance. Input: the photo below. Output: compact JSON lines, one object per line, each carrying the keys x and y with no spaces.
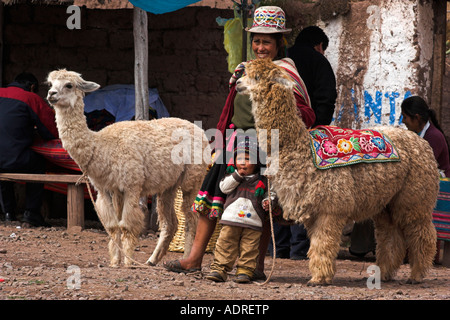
{"x":279,"y":38}
{"x":313,"y":35}
{"x":416,"y":105}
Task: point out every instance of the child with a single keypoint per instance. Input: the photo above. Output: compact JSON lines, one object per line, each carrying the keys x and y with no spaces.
{"x":242,"y":218}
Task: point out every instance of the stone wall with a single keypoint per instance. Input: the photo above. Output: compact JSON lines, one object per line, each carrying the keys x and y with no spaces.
{"x":187,"y":61}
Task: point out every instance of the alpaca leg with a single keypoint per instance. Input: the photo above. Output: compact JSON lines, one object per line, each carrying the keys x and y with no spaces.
{"x":131,"y":224}
{"x":391,"y":247}
{"x":325,"y":234}
{"x":190,"y":221}
{"x":421,"y":244}
{"x":114,"y":247}
{"x":168,"y":223}
{"x":129,"y":243}
{"x":108,"y":218}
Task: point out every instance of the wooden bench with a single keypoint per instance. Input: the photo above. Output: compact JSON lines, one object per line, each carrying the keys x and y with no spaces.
{"x":75,"y":193}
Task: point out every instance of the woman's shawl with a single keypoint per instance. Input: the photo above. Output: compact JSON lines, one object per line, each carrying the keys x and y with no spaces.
{"x":285,"y":63}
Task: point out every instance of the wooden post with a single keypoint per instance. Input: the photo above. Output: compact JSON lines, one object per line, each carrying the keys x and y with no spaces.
{"x":75,"y":206}
{"x":1,"y":44}
{"x":140,"y":33}
{"x":244,"y":9}
{"x":439,"y":38}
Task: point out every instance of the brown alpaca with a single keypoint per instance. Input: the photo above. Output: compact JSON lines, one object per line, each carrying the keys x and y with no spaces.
{"x":130,"y":160}
{"x":398,"y":196}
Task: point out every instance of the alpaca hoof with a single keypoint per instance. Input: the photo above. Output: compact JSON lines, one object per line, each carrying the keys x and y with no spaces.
{"x":387,"y":278}
{"x":412,"y":281}
{"x":317,"y":283}
{"x":150,"y":263}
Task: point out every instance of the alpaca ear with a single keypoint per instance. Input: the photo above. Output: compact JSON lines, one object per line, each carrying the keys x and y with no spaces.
{"x":88,"y":86}
{"x":284,"y":81}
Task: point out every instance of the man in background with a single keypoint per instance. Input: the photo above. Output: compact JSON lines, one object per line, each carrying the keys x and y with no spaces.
{"x":23,"y":114}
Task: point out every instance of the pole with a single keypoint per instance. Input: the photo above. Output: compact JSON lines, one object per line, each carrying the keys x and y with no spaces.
{"x":140,"y":34}
{"x":244,"y":10}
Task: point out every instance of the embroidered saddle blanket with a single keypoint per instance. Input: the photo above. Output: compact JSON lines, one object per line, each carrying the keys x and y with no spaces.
{"x":332,"y":146}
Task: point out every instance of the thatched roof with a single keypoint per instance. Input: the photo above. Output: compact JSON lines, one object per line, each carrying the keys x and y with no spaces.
{"x":124,"y":4}
{"x":57,"y":2}
{"x":116,"y":4}
{"x":104,"y":4}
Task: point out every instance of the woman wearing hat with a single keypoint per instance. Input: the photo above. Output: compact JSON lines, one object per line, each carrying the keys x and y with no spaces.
{"x":267,"y":42}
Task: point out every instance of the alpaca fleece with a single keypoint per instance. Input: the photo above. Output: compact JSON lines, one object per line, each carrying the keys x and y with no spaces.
{"x":398,"y":196}
{"x":128,"y":161}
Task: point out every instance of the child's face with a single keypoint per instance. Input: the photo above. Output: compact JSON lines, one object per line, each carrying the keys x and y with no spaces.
{"x":243,"y":164}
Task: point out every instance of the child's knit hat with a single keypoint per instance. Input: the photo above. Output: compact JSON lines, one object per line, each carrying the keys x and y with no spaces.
{"x":248,"y":145}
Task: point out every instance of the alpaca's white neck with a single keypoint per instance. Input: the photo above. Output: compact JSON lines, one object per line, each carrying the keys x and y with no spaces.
{"x":74,"y":133}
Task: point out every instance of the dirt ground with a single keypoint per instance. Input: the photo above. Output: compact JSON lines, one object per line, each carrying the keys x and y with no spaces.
{"x":54,"y":264}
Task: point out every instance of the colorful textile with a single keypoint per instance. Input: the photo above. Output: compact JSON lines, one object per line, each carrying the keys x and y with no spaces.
{"x":301,"y":96}
{"x":332,"y":146}
{"x":53,"y":151}
{"x":289,"y":66}
{"x":210,"y":199}
{"x":441,"y":213}
{"x":55,"y":154}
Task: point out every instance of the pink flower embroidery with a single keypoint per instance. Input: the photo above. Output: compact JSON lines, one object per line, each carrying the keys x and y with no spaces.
{"x":329,"y":148}
{"x":344,"y":146}
{"x":365,"y":144}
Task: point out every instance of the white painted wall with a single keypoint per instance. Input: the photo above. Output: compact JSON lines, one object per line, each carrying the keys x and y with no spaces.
{"x":398,"y":61}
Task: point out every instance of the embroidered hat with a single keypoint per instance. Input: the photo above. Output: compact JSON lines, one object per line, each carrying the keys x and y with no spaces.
{"x":269,"y":19}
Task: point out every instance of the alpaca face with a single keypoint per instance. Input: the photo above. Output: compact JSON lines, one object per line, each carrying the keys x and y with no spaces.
{"x":66,"y":87}
{"x":262,"y":73}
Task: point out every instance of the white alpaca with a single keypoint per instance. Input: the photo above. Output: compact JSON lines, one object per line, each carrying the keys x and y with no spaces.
{"x":130,"y":160}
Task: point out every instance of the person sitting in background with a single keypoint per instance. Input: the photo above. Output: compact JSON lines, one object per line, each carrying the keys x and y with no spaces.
{"x":23,"y":113}
{"x":418,"y":117}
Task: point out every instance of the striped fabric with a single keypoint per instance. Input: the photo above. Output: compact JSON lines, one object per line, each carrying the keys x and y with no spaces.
{"x":55,"y":154}
{"x":53,"y":151}
{"x":441,"y":213}
{"x":288,"y":65}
